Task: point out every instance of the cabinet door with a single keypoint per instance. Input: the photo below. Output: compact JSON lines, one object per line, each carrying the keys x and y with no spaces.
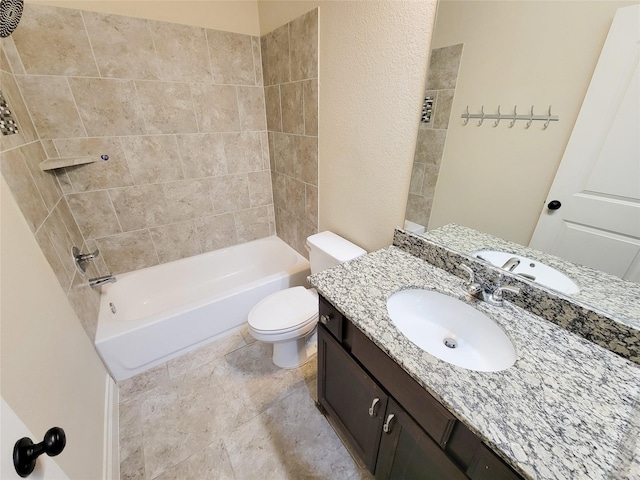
{"x":408,"y":453}
{"x":354,"y":403}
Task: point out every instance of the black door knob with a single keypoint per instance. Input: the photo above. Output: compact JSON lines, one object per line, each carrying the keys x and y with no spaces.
{"x":554,"y":205}
{"x":25,"y":452}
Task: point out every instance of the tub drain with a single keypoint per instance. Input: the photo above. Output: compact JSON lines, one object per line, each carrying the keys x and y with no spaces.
{"x":112,"y":307}
{"x":450,"y":342}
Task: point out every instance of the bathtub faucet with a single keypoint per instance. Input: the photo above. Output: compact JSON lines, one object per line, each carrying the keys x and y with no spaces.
{"x":98,"y":281}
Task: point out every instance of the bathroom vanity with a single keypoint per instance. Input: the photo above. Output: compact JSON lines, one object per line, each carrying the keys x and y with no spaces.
{"x":567,"y":408}
{"x":389,"y":421}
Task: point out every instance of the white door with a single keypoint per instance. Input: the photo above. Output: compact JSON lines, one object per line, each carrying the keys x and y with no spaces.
{"x":598,"y":181}
{"x":13,"y":429}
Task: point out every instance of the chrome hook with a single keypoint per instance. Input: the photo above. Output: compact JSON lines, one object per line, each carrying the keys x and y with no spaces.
{"x":546,"y":124}
{"x":530,"y":118}
{"x":515,"y":116}
{"x":495,"y":124}
{"x":482,"y":113}
{"x":465,"y":115}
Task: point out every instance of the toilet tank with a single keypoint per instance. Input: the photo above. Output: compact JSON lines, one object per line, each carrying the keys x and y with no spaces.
{"x":326,"y":250}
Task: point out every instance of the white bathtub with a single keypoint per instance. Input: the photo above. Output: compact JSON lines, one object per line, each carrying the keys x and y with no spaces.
{"x":165,"y":311}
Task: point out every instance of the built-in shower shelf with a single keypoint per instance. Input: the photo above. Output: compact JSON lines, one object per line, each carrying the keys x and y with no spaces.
{"x":53,"y":163}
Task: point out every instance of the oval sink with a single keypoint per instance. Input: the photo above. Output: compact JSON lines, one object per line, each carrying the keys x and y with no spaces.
{"x":451,"y":330}
{"x":531,"y":270}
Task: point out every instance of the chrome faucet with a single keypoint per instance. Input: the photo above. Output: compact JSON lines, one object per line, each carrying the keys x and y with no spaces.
{"x":511,"y":264}
{"x":99,"y":281}
{"x":476,"y":287}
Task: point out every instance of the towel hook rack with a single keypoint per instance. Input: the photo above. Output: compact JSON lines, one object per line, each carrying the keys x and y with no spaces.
{"x":514,"y":117}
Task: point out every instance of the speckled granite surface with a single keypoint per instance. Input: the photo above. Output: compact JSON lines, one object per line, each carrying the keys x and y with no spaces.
{"x":613,"y":324}
{"x":567,"y":409}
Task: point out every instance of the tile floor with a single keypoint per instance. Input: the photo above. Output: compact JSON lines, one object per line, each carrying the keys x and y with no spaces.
{"x":227,"y":412}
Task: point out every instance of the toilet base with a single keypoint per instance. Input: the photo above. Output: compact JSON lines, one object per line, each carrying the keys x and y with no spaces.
{"x":296,"y":352}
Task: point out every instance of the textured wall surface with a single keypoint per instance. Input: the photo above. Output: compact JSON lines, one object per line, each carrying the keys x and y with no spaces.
{"x":290,"y":65}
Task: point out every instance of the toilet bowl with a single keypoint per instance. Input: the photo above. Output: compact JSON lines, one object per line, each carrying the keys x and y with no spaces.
{"x":288,"y":318}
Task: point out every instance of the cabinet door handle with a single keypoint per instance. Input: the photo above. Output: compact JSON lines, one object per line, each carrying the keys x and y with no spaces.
{"x":372,"y":408}
{"x":387,"y":425}
{"x":324,"y":319}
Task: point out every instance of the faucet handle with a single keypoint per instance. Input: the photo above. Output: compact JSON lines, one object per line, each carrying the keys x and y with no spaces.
{"x":496,"y":298}
{"x":471,"y":286}
{"x":468,"y":271}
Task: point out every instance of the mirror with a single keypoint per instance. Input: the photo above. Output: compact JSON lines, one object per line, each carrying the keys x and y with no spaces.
{"x":486,"y":54}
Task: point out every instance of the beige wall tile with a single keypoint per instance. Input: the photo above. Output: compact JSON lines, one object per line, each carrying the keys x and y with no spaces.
{"x":430,"y":146}
{"x":12,"y":56}
{"x":52,"y":106}
{"x":15,"y":171}
{"x":272,"y":155}
{"x":272,"y":219}
{"x":98,"y":175}
{"x":202,"y":155}
{"x":266,"y":151}
{"x":216,"y":232}
{"x":128,"y":251}
{"x":175,"y":241}
{"x":279,"y":185}
{"x":166,"y":107}
{"x":216,"y":108}
{"x":418,"y":209}
{"x":188,"y":199}
{"x":123,"y":46}
{"x":140,"y":206}
{"x":49,"y":149}
{"x":230,"y":193}
{"x":311,"y":107}
{"x":303,"y":231}
{"x":306,"y":163}
{"x":152,"y":159}
{"x":417,"y":177}
{"x":53,"y":41}
{"x":252,"y":224}
{"x":70,"y":222}
{"x":443,"y":67}
{"x":304,"y":46}
{"x":274,"y":112}
{"x":295,"y":197}
{"x":277,"y":56}
{"x":46,"y":182}
{"x":429,"y":182}
{"x":252,"y":109}
{"x":182,"y":52}
{"x":286,"y":226}
{"x":86,"y":303}
{"x":243,"y":152}
{"x":231,"y":58}
{"x":55,"y":227}
{"x":50,"y":253}
{"x":264,"y":63}
{"x":26,"y":129}
{"x":311,"y":205}
{"x":292,"y":108}
{"x":284,"y":153}
{"x":260,"y":192}
{"x":257,"y":60}
{"x":94,"y":213}
{"x":442,"y":109}
{"x":108,"y":107}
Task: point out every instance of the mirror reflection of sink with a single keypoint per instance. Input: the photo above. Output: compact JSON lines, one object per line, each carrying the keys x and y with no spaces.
{"x":451,"y":330}
{"x":531,"y":269}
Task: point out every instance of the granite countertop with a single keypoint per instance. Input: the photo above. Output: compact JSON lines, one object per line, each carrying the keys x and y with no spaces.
{"x":566,"y":409}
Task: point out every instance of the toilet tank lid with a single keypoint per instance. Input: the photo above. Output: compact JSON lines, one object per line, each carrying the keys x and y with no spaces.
{"x":336,"y":246}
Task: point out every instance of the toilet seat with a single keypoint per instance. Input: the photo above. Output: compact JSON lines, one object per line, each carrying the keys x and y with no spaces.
{"x":283,"y":312}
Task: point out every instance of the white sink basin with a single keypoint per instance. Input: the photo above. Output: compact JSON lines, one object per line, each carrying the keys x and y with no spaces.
{"x":531,"y":269}
{"x":451,"y":330}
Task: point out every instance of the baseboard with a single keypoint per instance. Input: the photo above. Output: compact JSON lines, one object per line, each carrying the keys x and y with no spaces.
{"x":111,"y":454}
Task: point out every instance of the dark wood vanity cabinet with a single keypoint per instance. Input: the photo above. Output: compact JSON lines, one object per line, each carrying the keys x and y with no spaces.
{"x":387,"y":420}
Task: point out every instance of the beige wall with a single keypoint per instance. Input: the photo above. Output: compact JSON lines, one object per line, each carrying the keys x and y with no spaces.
{"x":515,"y":53}
{"x":239,"y":16}
{"x":51,"y":375}
{"x":373,"y":58}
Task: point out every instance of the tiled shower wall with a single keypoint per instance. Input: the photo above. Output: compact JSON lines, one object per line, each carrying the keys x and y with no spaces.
{"x":442,"y":77}
{"x":180,"y":112}
{"x":290,"y":65}
{"x":40,"y":198}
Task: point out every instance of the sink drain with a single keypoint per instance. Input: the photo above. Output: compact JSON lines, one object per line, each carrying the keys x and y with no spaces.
{"x":450,"y":342}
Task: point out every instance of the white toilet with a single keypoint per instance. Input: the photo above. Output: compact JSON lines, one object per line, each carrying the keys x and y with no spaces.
{"x":288,"y":318}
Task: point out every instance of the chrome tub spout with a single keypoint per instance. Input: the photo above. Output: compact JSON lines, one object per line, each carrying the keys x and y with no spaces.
{"x":98,"y":281}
